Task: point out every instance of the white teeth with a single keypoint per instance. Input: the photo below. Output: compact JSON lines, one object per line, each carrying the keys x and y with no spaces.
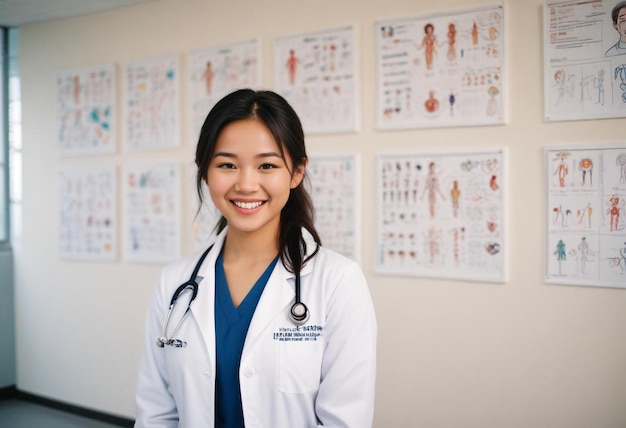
{"x":248,"y":205}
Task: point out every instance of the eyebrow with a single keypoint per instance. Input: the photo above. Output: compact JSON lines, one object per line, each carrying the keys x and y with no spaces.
{"x":260,"y":155}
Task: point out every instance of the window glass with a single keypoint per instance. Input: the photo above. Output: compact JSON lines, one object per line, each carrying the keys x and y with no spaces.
{"x":4,"y":172}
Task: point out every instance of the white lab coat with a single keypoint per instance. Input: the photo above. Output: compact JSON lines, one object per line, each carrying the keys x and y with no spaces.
{"x":320,"y":374}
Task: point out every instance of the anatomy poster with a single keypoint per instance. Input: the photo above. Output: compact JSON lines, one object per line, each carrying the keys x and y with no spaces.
{"x":152,"y":212}
{"x":442,"y":215}
{"x":201,"y":219}
{"x":87,"y":213}
{"x":217,"y":71}
{"x":585,"y":59}
{"x":587,"y":215}
{"x":86,"y":111}
{"x":203,"y":223}
{"x":333,"y":186}
{"x":151,"y":114}
{"x":316,"y":73}
{"x":441,"y":70}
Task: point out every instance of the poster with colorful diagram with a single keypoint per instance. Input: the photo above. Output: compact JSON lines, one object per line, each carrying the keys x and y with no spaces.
{"x":87,"y":213}
{"x":442,"y":215}
{"x":86,"y":111}
{"x":442,"y":70}
{"x":586,"y":218}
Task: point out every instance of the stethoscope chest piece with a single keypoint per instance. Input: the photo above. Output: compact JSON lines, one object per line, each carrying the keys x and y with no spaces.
{"x":299,"y":313}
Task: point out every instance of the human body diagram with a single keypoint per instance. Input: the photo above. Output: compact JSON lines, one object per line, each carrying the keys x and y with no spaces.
{"x":316,"y":74}
{"x":442,"y":215}
{"x":444,"y":70}
{"x":86,"y":110}
{"x":582,"y":88}
{"x":585,"y":73}
{"x":586,"y":219}
{"x":218,"y":70}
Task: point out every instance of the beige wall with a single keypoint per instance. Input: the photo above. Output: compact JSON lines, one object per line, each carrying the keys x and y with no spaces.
{"x":451,"y":354}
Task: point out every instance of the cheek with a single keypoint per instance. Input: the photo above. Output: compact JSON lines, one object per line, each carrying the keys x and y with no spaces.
{"x":280,"y":185}
{"x":216,"y":186}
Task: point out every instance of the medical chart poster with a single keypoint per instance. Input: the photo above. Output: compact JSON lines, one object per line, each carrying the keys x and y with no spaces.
{"x":584,"y":60}
{"x":586,"y":215}
{"x":442,"y":215}
{"x":216,"y":71}
{"x":86,"y":111}
{"x":316,"y":73}
{"x":442,"y":70}
{"x":151,"y":103}
{"x":87,"y":213}
{"x":201,"y":219}
{"x":333,"y":185}
{"x":152,"y":212}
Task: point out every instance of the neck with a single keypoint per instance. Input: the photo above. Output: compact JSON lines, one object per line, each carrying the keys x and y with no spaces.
{"x":259,"y":245}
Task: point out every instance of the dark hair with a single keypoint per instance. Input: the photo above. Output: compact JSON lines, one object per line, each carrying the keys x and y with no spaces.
{"x":283,"y":122}
{"x":619,"y":6}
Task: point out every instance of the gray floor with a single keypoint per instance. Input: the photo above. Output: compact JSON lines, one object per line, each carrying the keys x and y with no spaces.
{"x":24,"y":414}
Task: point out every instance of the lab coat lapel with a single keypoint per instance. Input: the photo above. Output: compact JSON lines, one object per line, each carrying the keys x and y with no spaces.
{"x":277,"y":295}
{"x":203,"y":308}
{"x":276,"y":300}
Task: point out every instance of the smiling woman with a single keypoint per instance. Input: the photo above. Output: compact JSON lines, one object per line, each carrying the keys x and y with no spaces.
{"x":247,"y":175}
{"x":270,"y":299}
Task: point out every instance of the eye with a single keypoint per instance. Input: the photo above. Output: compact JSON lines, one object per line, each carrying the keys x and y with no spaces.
{"x":226,"y":165}
{"x":267,"y":166}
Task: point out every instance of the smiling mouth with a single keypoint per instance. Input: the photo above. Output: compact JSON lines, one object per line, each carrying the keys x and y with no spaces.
{"x":248,"y":205}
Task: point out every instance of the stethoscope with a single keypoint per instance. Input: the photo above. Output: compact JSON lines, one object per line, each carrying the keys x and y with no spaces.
{"x":298,"y":313}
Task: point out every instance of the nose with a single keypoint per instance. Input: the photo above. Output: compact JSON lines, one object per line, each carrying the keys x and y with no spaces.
{"x":247,"y":181}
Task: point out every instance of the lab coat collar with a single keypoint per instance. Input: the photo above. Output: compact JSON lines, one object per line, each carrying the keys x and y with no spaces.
{"x":203,"y":306}
{"x":278,"y":294}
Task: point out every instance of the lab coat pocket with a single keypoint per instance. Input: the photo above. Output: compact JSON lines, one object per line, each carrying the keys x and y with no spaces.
{"x":300,"y":365}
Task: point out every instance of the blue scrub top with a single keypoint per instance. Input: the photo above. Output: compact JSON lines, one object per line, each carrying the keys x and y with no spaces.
{"x":231,"y":327}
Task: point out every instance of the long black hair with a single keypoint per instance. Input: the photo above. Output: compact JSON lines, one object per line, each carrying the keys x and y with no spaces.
{"x":283,"y":122}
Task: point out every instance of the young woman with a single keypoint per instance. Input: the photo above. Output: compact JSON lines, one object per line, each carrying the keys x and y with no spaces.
{"x":282,"y":331}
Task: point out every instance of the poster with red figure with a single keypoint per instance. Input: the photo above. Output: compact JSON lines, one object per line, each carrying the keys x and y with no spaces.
{"x":442,"y":70}
{"x":86,"y":111}
{"x":442,"y":215}
{"x":586,"y":218}
{"x":316,"y":73}
{"x":216,"y":71}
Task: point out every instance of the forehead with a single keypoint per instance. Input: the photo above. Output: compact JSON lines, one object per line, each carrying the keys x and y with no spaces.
{"x":248,"y":135}
{"x":622,"y":12}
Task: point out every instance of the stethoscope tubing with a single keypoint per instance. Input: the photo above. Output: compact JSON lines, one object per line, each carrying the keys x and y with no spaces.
{"x":299,"y":313}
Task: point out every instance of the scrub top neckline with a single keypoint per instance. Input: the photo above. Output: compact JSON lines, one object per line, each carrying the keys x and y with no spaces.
{"x":223,"y":296}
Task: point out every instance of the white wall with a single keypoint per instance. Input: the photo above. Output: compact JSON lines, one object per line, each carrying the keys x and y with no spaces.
{"x":523,"y":354}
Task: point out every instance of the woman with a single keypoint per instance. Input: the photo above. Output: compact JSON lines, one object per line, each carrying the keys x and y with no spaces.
{"x":239,"y":358}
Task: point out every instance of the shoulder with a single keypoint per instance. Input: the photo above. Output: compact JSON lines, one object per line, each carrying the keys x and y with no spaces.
{"x":335,"y":269}
{"x":614,"y":50}
{"x":182,"y":269}
{"x":333,"y":259}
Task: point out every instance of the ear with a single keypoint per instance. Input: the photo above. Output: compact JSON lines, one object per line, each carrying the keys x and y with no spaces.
{"x":298,"y":174}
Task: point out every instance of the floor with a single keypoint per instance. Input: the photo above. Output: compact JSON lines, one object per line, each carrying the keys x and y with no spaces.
{"x":23,"y":414}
